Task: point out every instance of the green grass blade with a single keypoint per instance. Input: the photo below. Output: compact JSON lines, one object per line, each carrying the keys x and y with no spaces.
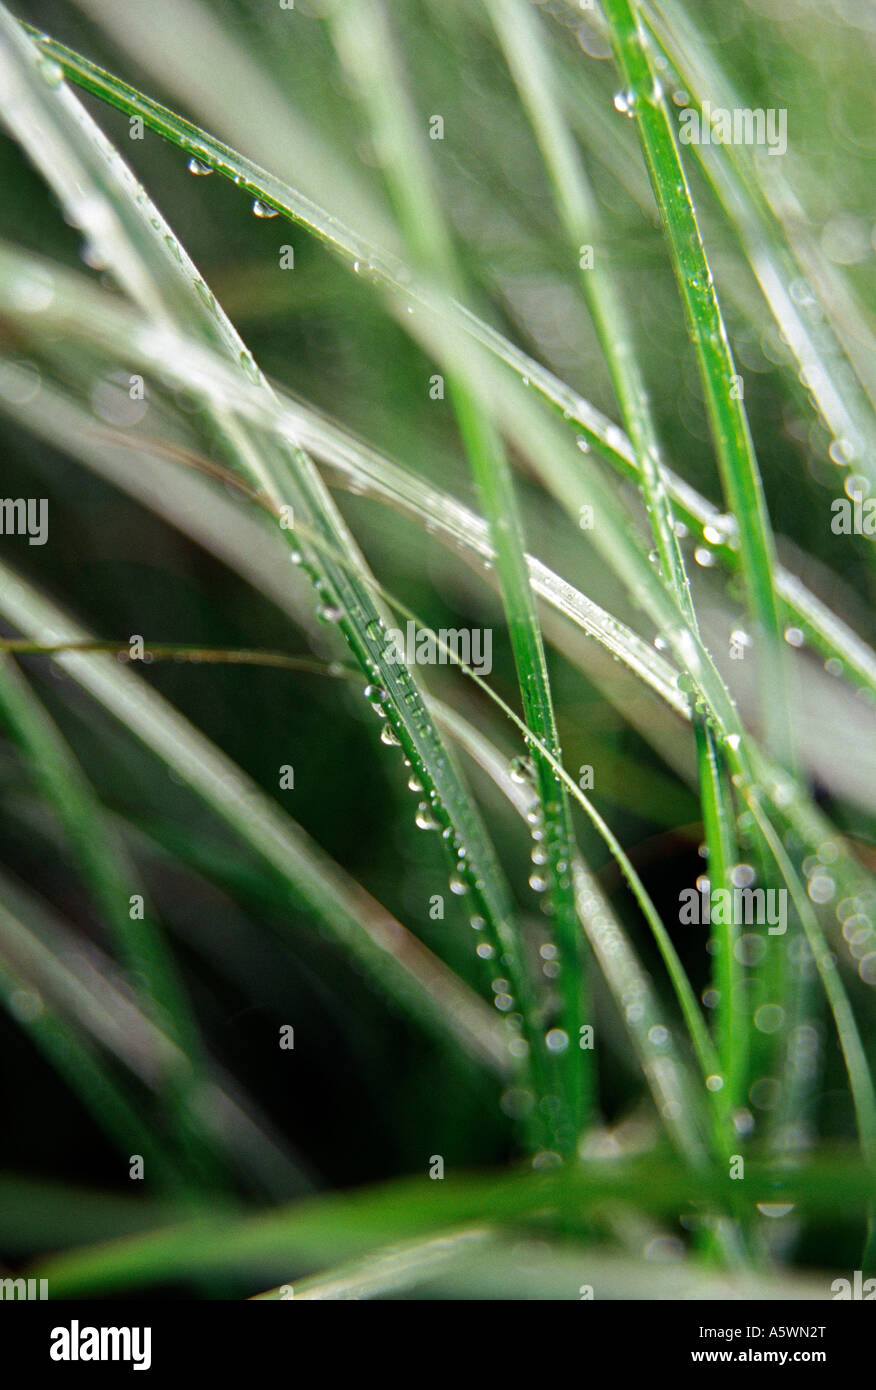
{"x":408,"y":973}
{"x":364,"y":41}
{"x":827,"y":633}
{"x":727,"y":416}
{"x":351,"y":1224}
{"x":126,"y":231}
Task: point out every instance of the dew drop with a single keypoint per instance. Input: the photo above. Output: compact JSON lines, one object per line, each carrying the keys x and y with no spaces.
{"x":775,"y":1209}
{"x":198,"y":169}
{"x":522,"y":770}
{"x":261,"y":209}
{"x":424,"y":820}
{"x":51,"y":72}
{"x":329,"y":613}
{"x":841,"y":451}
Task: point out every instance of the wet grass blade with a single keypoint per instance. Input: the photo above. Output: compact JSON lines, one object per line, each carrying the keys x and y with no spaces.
{"x":722,"y":385}
{"x":101,"y":196}
{"x":409,"y":974}
{"x":826,"y":632}
{"x":363,"y":38}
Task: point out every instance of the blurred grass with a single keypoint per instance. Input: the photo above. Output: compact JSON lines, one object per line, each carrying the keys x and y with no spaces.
{"x":313,"y":906}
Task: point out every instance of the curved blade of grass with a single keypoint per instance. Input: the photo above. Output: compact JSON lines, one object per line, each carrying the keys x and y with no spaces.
{"x":252,"y":550}
{"x":823,"y":629}
{"x":84,"y":989}
{"x":727,"y":416}
{"x":352,"y":1224}
{"x":568,"y":488}
{"x":522,"y":40}
{"x":520,"y":34}
{"x":755,"y":211}
{"x":384,"y":1271}
{"x":729,"y":979}
{"x":126,"y":231}
{"x":98,"y":1089}
{"x":398,"y":963}
{"x":854,"y":1053}
{"x":760,"y":216}
{"x":545,"y":444}
{"x":543,"y":441}
{"x":112,"y":880}
{"x":662,"y":1066}
{"x":364,"y":42}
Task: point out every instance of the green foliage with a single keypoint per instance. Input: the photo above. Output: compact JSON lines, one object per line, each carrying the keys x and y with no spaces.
{"x":387,"y":401}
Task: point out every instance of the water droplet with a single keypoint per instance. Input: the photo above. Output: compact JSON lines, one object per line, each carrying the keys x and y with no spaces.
{"x":769,"y":1018}
{"x":424,"y":820}
{"x":458,"y":885}
{"x":517,"y":1102}
{"x":389,"y":736}
{"x":522,"y":770}
{"x":841,"y":451}
{"x":856,"y":487}
{"x":329,"y":613}
{"x":556,"y":1040}
{"x":377,"y":697}
{"x":261,"y":209}
{"x":198,"y":169}
{"x":51,"y":72}
{"x":775,"y":1209}
{"x":742,"y":876}
{"x":794,"y":637}
{"x":704,"y":557}
{"x":625,"y":102}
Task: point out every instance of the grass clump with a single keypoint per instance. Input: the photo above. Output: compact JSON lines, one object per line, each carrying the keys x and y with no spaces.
{"x":452,"y":375}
